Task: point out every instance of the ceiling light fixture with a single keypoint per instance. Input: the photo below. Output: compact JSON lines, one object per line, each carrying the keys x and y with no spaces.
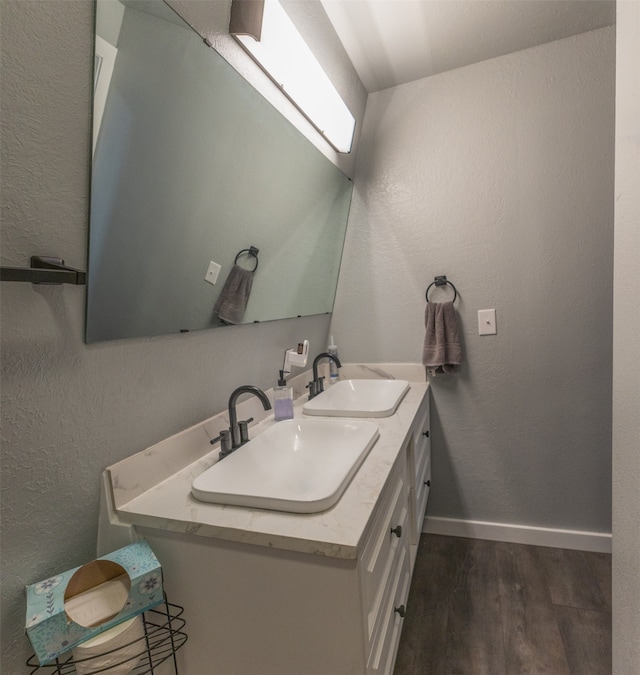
{"x":266,"y":32}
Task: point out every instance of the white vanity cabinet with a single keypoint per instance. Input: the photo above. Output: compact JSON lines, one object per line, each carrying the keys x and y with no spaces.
{"x":275,"y":609}
{"x":253,"y":610}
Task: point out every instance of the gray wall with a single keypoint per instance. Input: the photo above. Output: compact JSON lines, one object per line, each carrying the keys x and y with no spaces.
{"x":626,"y":348}
{"x":499,"y":175}
{"x":69,"y":410}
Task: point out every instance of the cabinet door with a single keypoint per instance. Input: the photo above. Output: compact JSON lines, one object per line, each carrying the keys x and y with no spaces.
{"x":419,"y":499}
{"x":385,"y":647}
{"x":388,"y":535}
{"x":421,"y":469}
{"x":421,"y":448}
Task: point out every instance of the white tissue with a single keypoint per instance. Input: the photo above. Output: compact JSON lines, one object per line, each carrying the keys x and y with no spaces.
{"x":99,"y":603}
{"x":118,"y":636}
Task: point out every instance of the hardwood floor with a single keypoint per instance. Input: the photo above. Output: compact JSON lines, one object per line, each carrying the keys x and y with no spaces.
{"x":490,"y":608}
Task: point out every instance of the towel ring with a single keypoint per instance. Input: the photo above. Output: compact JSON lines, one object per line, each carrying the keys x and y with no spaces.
{"x":441,"y":281}
{"x":251,"y":251}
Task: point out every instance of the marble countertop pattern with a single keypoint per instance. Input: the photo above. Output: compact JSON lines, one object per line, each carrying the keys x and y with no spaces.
{"x":152,"y":489}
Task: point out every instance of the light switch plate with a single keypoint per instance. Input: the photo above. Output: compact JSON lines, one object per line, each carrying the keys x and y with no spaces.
{"x":487,"y":322}
{"x":212,"y":272}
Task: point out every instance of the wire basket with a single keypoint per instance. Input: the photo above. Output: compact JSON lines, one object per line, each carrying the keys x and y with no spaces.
{"x":163,"y":636}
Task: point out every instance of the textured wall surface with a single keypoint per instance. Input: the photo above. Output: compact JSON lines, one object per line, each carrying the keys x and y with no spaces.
{"x":69,"y":410}
{"x":499,"y":175}
{"x":626,"y":348}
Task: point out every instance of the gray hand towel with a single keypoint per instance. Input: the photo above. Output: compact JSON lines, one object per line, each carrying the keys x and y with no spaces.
{"x":442,"y":349}
{"x":233,"y":299}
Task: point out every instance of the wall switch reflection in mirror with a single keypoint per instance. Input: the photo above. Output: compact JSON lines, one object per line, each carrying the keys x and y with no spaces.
{"x":487,"y":322}
{"x":212,"y":272}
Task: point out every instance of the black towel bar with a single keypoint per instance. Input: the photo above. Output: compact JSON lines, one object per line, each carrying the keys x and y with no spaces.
{"x":441,"y":281}
{"x":252,"y":251}
{"x":45,"y":270}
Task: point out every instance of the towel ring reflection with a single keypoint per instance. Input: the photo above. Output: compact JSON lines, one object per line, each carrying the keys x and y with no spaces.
{"x":251,"y":251}
{"x":441,"y":281}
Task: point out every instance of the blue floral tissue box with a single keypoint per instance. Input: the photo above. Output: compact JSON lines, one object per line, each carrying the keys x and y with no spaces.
{"x":78,"y":604}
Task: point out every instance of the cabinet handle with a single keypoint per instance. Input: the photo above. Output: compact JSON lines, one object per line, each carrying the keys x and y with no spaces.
{"x":401,"y":611}
{"x":427,"y":483}
{"x":397,"y":531}
{"x":426,"y":433}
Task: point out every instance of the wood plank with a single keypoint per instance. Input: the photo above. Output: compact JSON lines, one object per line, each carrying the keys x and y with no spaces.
{"x":423,"y":642}
{"x":587,"y":639}
{"x":571,"y":580}
{"x":474,"y":635}
{"x":601,"y":566}
{"x":481,"y":607}
{"x":532,"y":640}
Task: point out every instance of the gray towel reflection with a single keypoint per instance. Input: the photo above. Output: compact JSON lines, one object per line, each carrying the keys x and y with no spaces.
{"x":232,"y":302}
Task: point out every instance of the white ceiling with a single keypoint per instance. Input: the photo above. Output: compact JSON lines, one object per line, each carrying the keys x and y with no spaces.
{"x":395,"y":41}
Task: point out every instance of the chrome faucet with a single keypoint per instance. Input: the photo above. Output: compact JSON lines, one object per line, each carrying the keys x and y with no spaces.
{"x":316,"y":386}
{"x":238,"y":432}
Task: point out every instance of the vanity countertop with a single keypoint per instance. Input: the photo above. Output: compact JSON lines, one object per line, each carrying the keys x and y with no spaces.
{"x":147,"y":493}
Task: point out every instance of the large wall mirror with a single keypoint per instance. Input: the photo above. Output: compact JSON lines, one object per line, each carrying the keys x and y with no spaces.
{"x":192,"y":166}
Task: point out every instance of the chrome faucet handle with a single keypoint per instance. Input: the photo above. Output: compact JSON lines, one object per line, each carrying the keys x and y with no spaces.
{"x":213,"y":441}
{"x":244,"y":430}
{"x":226,"y":446}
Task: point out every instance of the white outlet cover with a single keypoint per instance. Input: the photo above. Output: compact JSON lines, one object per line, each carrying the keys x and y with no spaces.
{"x":212,"y":272}
{"x":487,"y":322}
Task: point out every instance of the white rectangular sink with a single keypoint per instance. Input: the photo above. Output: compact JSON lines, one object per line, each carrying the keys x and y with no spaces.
{"x":298,"y":466}
{"x":358,"y":398}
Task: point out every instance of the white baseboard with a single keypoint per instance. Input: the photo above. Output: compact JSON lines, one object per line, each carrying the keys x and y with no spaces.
{"x":519,"y":534}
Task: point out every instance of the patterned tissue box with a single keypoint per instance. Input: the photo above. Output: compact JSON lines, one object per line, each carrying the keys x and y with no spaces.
{"x":78,"y":604}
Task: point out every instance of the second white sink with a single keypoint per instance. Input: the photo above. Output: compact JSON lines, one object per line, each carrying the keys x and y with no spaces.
{"x":299,"y":466}
{"x":358,"y":398}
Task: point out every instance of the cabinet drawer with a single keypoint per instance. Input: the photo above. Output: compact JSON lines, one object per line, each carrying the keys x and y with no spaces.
{"x":421,"y":445}
{"x":389,"y":535}
{"x":385,"y":647}
{"x":422,"y":461}
{"x":419,"y":500}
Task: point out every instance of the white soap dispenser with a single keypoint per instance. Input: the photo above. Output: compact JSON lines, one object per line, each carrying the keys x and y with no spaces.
{"x":283,"y":400}
{"x":283,"y":393}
